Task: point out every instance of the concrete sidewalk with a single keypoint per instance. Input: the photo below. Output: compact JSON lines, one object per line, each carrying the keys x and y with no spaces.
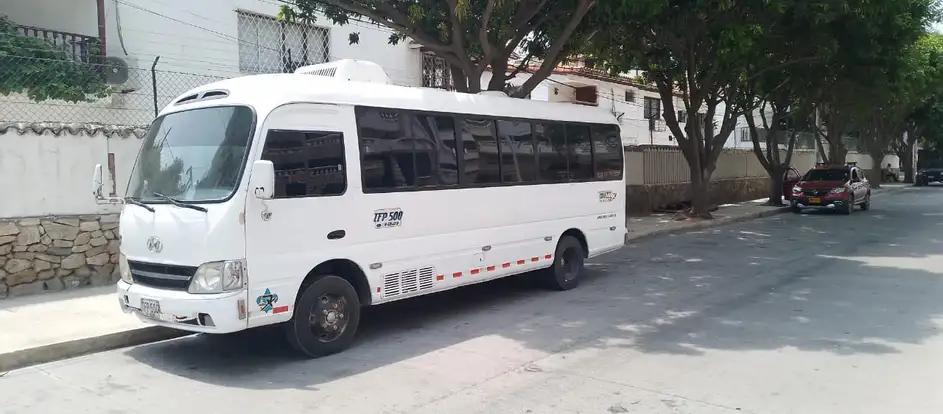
{"x":54,"y":326}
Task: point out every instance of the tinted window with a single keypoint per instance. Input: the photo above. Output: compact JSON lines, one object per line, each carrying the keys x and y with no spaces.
{"x":827,"y":175}
{"x":386,"y":148}
{"x":607,"y":152}
{"x":480,"y":163}
{"x":551,"y":150}
{"x":307,"y":163}
{"x":518,"y":162}
{"x":579,"y":152}
{"x":435,"y":150}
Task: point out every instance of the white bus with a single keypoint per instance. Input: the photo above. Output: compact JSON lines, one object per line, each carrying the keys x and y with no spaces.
{"x":297,"y":199}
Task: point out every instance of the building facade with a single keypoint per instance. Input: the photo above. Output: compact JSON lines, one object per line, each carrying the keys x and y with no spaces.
{"x":154,"y":50}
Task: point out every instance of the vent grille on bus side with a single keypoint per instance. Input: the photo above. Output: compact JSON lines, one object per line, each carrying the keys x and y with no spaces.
{"x":409,"y":281}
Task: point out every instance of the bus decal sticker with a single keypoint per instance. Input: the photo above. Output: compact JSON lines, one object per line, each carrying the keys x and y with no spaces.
{"x":607,"y":196}
{"x":267,"y":301}
{"x":388,"y":217}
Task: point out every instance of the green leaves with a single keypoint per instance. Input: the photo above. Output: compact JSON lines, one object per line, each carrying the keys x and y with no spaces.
{"x":472,"y":35}
{"x":44,"y":72}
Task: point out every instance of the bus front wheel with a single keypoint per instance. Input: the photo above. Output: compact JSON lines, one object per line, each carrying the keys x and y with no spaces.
{"x":567,"y":268}
{"x":325,"y":318}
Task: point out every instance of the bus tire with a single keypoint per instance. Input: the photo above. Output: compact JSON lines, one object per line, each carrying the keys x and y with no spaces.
{"x":326,"y":316}
{"x":567,"y":268}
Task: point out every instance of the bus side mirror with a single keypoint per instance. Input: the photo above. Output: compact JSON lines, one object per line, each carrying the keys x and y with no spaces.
{"x":97,"y":182}
{"x":262,"y":182}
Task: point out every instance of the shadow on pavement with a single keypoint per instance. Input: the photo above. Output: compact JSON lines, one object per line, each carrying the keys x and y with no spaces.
{"x":865,"y":283}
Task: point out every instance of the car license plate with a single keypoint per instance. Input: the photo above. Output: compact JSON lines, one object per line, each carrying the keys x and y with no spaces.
{"x":150,"y":308}
{"x":814,"y":200}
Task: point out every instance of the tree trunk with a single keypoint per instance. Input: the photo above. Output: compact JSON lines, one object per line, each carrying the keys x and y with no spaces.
{"x":700,"y":194}
{"x":876,"y":174}
{"x":776,"y":186}
{"x":907,"y":161}
{"x":837,"y":152}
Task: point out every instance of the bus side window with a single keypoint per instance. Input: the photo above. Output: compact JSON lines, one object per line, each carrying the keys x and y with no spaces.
{"x":518,"y":159}
{"x":386,"y":149}
{"x":579,"y":152}
{"x":307,"y":163}
{"x":550,"y":140}
{"x":608,"y":152}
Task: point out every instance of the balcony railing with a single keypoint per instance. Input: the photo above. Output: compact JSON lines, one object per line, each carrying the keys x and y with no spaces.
{"x":77,"y":47}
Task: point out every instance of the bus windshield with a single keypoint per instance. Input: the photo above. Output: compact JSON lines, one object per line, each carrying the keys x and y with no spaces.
{"x":193,"y":156}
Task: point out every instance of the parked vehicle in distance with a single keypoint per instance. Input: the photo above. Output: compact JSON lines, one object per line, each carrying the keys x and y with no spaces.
{"x":932,"y":173}
{"x":832,"y":187}
{"x":296,"y":199}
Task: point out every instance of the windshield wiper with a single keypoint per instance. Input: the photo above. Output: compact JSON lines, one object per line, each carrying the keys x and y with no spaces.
{"x":131,"y":200}
{"x":180,"y":203}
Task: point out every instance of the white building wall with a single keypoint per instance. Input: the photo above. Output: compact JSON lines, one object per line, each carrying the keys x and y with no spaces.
{"x":52,"y":175}
{"x":73,"y":16}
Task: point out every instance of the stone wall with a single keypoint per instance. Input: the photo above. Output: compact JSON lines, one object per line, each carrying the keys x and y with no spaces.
{"x":39,"y":254}
{"x":643,"y":199}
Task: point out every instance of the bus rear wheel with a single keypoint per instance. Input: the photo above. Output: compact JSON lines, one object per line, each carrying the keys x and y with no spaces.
{"x":567,"y":268}
{"x":326,"y":317}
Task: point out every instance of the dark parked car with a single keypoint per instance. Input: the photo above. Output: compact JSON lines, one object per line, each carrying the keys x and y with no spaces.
{"x":933,"y":173}
{"x":832,"y":187}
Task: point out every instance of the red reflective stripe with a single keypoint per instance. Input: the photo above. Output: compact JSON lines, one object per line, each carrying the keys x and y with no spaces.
{"x":378,"y":290}
{"x":521,"y":261}
{"x":280,"y":309}
{"x":506,"y":265}
{"x":490,"y":268}
{"x":475,"y":271}
{"x":457,"y":274}
{"x":547,"y":257}
{"x":440,"y":277}
{"x":534,"y":259}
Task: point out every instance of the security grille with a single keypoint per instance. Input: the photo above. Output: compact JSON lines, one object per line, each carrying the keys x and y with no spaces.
{"x":435,"y":72}
{"x":267,"y":45}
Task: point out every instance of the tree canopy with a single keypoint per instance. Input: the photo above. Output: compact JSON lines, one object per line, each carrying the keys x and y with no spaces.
{"x":725,"y":58}
{"x":472,"y":35}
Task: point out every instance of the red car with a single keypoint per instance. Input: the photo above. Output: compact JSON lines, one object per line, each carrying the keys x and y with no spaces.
{"x":832,"y":187}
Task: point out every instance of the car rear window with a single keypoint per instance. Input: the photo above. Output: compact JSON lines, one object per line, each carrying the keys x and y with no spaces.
{"x":826,"y":175}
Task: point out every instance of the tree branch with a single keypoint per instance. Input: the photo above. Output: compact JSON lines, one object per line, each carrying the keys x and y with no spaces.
{"x":553,"y":56}
{"x":395,"y":20}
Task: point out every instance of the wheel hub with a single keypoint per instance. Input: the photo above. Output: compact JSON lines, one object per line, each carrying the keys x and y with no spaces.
{"x":328,"y":319}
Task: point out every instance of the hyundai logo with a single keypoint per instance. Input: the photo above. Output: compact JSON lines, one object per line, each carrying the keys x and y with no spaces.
{"x":155,"y":245}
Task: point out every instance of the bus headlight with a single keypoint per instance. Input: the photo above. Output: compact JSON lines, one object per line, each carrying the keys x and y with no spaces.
{"x":218,"y":277}
{"x":124,"y":269}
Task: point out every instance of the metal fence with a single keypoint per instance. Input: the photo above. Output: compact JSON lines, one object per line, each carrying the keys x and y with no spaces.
{"x":116,"y":94}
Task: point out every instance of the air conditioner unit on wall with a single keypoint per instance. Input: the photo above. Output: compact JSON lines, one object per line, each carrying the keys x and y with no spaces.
{"x":121,"y":73}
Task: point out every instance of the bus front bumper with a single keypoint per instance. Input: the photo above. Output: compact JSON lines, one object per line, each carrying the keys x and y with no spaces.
{"x":213,"y":313}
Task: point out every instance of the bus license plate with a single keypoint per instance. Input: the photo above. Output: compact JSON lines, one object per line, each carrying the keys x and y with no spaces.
{"x":150,"y":308}
{"x":814,"y":200}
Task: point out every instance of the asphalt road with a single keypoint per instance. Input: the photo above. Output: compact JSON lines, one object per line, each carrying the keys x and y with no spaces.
{"x":802,"y":314}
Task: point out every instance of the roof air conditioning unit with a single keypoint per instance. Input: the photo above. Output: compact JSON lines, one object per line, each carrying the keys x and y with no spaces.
{"x":350,"y":70}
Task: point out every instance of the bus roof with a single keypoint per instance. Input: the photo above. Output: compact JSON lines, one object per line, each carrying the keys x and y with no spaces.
{"x":265,"y":92}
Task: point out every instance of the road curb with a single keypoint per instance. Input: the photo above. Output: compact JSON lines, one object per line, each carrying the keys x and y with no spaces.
{"x":84,"y":346}
{"x":705,"y":224}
